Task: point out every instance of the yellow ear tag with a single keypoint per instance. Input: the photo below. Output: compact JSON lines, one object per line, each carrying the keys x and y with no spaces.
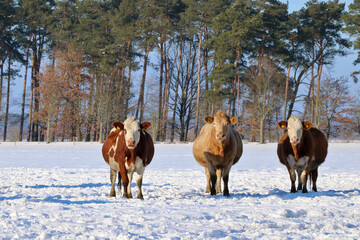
{"x":283,"y":126}
{"x":142,"y":129}
{"x":117,"y":128}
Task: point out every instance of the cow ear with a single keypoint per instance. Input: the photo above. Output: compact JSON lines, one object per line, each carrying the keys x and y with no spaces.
{"x":118,"y":125}
{"x":145,"y":125}
{"x":307,"y":125}
{"x":282,"y":124}
{"x":233,"y":120}
{"x":209,"y":120}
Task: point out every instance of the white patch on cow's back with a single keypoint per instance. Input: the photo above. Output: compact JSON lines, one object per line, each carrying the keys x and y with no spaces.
{"x":112,"y":163}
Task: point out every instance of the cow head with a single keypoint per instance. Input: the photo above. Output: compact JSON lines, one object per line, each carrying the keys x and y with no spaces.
{"x":132,"y":129}
{"x":221,"y":123}
{"x":295,"y":128}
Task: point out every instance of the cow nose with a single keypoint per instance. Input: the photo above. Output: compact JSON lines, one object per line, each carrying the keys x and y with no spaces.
{"x":294,"y":139}
{"x":220,"y":135}
{"x":131,"y":142}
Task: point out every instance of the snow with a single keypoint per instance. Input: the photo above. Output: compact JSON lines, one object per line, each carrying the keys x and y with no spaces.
{"x":61,"y":191}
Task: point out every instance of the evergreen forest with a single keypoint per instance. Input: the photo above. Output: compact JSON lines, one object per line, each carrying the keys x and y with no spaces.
{"x":85,"y":64}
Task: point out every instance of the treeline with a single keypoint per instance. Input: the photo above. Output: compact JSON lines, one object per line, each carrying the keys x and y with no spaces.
{"x":172,"y":62}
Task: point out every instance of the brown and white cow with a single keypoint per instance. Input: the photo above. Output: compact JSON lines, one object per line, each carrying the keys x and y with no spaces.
{"x":302,"y":148}
{"x":128,"y":149}
{"x":217,"y":148}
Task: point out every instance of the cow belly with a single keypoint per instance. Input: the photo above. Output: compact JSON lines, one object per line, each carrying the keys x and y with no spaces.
{"x":135,"y":167}
{"x":113,"y":164}
{"x":300,"y":163}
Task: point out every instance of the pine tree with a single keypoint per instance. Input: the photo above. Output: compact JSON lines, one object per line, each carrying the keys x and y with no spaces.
{"x":352,"y":21}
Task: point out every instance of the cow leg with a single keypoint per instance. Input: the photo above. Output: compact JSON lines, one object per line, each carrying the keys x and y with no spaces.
{"x":304,"y":176}
{"x":207,"y":173}
{"x":226,"y":172}
{"x":218,"y":180}
{"x":304,"y":180}
{"x":119,"y":182}
{"x":112,"y":180}
{"x":139,"y":183}
{"x":130,"y":175}
{"x":212,"y":171}
{"x":293,"y":179}
{"x":314,"y":175}
{"x":124,"y":178}
{"x":299,"y":171}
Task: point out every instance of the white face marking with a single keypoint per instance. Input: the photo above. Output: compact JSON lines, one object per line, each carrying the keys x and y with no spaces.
{"x":132,"y":127}
{"x":295,"y":128}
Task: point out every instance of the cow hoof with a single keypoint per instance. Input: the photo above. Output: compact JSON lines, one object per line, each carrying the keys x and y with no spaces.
{"x":140,"y":197}
{"x":213,"y":193}
{"x":226,"y":193}
{"x":314,"y":189}
{"x":304,"y":190}
{"x":293,"y":190}
{"x":112,"y":194}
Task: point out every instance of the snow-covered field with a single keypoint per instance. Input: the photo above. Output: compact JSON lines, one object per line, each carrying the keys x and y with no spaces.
{"x":60,"y":191}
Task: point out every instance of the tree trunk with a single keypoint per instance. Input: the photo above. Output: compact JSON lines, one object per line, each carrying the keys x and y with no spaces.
{"x":166,"y":95}
{"x":198,"y":84}
{"x":317,"y":102}
{"x":261,"y":140}
{"x":100,"y":117}
{"x":176,"y":92}
{"x":30,"y":123}
{"x":48,"y":130}
{"x":128,"y":85}
{"x":1,"y":80}
{"x":7,"y":101}
{"x":160,"y":114}
{"x":140,"y":104}
{"x":286,"y":91}
{"x":24,"y":95}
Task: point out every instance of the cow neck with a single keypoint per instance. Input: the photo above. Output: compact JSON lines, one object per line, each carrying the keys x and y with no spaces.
{"x":296,"y":149}
{"x":132,"y":155}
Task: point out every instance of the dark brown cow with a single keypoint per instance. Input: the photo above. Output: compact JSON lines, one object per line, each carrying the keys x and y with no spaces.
{"x":217,"y":148}
{"x":128,"y":149}
{"x":303,"y":148}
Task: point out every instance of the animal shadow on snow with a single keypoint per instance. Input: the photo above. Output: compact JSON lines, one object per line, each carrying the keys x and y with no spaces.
{"x":84,"y":185}
{"x":286,"y":195}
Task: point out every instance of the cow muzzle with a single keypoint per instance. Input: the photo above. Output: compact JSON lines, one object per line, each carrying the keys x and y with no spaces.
{"x":294,"y":141}
{"x":130,"y":143}
{"x":220,"y":137}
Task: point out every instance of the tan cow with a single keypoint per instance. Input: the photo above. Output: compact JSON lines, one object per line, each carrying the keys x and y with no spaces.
{"x":302,"y":149}
{"x":128,"y":149}
{"x":217,"y":148}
